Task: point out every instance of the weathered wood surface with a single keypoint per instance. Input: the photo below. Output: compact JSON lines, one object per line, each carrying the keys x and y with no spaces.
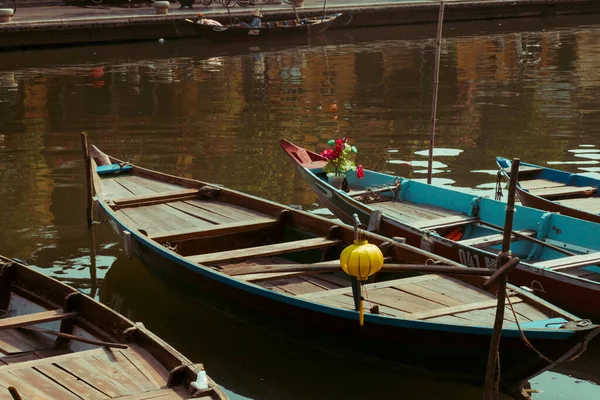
{"x":36,"y":318}
{"x":263,"y":251}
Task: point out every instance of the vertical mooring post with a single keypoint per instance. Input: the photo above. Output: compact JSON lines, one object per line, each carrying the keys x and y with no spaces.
{"x":490,"y":373}
{"x":88,"y":178}
{"x":436,"y":78}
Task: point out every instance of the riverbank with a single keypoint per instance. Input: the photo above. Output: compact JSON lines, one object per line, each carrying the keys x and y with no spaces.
{"x":73,"y":25}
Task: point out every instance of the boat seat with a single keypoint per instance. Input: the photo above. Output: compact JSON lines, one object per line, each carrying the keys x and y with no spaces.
{"x":232,"y":256}
{"x":564,"y":191}
{"x":492,"y":240}
{"x":213,"y":230}
{"x":581,"y":260}
{"x":445,"y":222}
{"x":149,"y":199}
{"x":35,"y":318}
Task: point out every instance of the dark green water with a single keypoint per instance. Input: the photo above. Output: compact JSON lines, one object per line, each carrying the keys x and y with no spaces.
{"x":525,"y":89}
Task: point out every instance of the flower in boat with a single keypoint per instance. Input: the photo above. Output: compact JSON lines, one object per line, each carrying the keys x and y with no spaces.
{"x":338,"y":158}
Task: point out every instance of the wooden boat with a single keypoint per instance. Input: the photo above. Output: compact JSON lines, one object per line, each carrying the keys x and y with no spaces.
{"x":268,"y":30}
{"x":466,"y":228}
{"x":57,"y":343}
{"x":279,"y":267}
{"x":556,"y":191}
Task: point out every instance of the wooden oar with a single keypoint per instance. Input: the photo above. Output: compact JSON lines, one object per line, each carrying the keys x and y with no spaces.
{"x":335,"y":267}
{"x":77,"y":338}
{"x":522,"y":236}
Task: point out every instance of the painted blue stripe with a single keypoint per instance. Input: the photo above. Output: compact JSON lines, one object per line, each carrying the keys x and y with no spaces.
{"x":553,"y":334}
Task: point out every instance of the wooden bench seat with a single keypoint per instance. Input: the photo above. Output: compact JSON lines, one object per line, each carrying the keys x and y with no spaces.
{"x":214,"y":230}
{"x":446,"y":222}
{"x":536,"y":184}
{"x":581,"y":260}
{"x":35,"y":318}
{"x":231,"y":256}
{"x":492,"y":240}
{"x":564,"y":191}
{"x":157,"y":198}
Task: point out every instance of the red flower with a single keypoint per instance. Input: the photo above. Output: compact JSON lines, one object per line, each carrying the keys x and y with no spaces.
{"x":328,"y":154}
{"x":360,"y":172}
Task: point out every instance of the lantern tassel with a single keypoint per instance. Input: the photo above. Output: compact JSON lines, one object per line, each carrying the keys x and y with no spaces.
{"x":361,"y":312}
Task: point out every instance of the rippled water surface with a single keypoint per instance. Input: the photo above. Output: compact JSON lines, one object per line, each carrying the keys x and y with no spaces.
{"x":527,"y":88}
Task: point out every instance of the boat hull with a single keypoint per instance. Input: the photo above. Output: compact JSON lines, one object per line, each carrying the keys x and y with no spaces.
{"x":455,"y":355}
{"x":531,"y":200}
{"x":579,"y":296}
{"x":238,"y":34}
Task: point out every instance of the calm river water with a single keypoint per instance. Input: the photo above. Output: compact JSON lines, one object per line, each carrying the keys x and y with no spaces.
{"x":527,"y":88}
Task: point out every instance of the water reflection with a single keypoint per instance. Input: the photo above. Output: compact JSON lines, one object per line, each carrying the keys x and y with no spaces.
{"x":523,"y":88}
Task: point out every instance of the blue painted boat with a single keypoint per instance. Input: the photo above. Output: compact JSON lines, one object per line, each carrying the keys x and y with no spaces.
{"x":467,"y":228}
{"x":279,"y":267}
{"x":556,"y":191}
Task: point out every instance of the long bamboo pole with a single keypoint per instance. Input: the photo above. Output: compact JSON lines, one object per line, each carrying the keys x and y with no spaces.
{"x":436,"y":75}
{"x":88,"y":178}
{"x":491,"y":369}
{"x":293,"y":2}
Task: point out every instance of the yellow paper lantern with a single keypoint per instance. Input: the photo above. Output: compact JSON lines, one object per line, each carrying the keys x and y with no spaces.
{"x":361,"y":259}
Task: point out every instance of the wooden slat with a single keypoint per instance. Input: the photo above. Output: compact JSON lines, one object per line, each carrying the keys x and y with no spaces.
{"x":446,"y":222}
{"x":85,"y":372}
{"x":588,"y":204}
{"x":232,"y":211}
{"x":581,"y":260}
{"x":263,"y":251}
{"x":210,"y":216}
{"x":133,"y":187}
{"x":458,"y":309}
{"x":539,"y":184}
{"x":163,"y":394}
{"x":121,"y":369}
{"x":214,"y":230}
{"x":78,"y":387}
{"x":112,"y":189}
{"x":147,"y":365}
{"x":41,"y":382}
{"x":24,"y":388}
{"x":47,"y":359}
{"x":155,"y":185}
{"x":401,"y":300}
{"x":35,"y":318}
{"x":373,"y":286}
{"x":11,"y":345}
{"x":564,"y":191}
{"x":295,"y":285}
{"x":492,"y":240}
{"x":156,"y":198}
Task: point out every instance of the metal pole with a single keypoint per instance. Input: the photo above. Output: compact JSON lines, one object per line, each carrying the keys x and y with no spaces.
{"x":490,"y":373}
{"x":436,"y":75}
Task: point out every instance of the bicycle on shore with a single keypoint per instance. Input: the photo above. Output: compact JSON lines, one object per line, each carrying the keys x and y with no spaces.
{"x":226,"y":3}
{"x":9,"y":4}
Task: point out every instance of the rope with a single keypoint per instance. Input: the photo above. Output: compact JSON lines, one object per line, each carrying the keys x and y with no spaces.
{"x":527,"y":342}
{"x":498,"y":194}
{"x":176,"y":30}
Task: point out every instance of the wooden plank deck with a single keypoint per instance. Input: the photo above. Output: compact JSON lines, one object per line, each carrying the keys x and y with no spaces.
{"x":588,"y":204}
{"x":564,"y":191}
{"x":411,"y":212}
{"x":100,"y":373}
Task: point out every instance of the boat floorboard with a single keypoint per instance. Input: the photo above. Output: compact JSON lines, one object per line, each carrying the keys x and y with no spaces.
{"x":588,"y":204}
{"x":128,"y":185}
{"x":539,"y":184}
{"x":100,"y":373}
{"x":186,"y":215}
{"x":411,"y":212}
